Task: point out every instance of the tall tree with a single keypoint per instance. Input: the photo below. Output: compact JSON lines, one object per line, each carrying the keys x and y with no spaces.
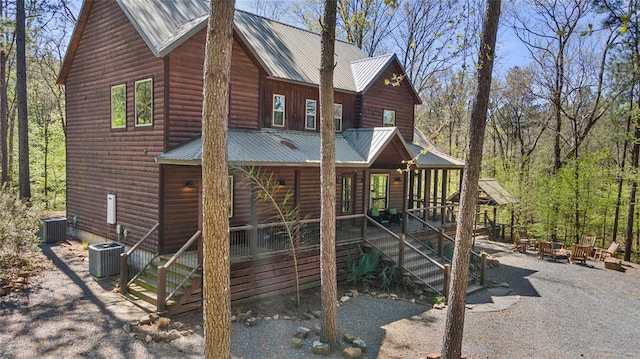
{"x":452,"y":341}
{"x":21,"y":94}
{"x":4,"y":122}
{"x":328,"y":180}
{"x":215,"y":112}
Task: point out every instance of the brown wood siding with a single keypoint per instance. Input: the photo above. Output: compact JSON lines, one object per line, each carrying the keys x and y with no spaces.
{"x":295,"y":105}
{"x":380,"y":97}
{"x":180,"y":210}
{"x":186,"y":74}
{"x":101,"y":160}
{"x":263,"y":278}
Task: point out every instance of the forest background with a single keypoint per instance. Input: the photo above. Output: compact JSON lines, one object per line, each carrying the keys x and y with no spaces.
{"x":563,"y":132}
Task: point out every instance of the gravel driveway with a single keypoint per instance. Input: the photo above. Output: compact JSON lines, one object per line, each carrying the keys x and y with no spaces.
{"x":561,"y":310}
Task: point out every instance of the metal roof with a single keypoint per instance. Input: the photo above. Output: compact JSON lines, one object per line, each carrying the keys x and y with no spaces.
{"x":434,"y":158}
{"x":496,"y":192}
{"x":366,"y":71}
{"x":369,"y":142}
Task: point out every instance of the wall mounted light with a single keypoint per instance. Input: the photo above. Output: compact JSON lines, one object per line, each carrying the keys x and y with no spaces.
{"x":398,"y":179}
{"x":189,"y":184}
{"x":281,"y":182}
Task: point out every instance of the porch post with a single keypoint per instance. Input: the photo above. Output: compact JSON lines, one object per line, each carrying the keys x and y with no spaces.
{"x":411,"y":196}
{"x":427,"y":193}
{"x":447,"y":278}
{"x":253,"y":234}
{"x":365,"y":203}
{"x":443,"y":198}
{"x":403,"y":224}
{"x":435,"y":193}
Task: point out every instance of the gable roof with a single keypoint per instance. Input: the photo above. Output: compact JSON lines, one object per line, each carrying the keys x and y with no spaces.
{"x":285,"y":52}
{"x":354,"y":148}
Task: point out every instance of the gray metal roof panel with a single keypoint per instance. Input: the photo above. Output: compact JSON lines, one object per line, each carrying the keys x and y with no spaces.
{"x":366,"y":71}
{"x":369,"y":142}
{"x":434,"y":158}
{"x":496,"y":191}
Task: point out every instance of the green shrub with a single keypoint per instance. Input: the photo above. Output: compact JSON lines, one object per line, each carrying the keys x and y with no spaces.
{"x":362,"y":270}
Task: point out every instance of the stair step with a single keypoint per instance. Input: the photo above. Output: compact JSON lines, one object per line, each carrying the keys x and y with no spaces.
{"x":152,"y":285}
{"x":143,"y":293}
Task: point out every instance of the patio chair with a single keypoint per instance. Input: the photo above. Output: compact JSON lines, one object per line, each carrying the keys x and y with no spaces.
{"x":521,"y":243}
{"x":375,"y":214}
{"x":533,"y":243}
{"x":588,"y":241}
{"x":602,"y":254}
{"x":580,"y":252}
{"x":546,"y":249}
{"x":394,"y":216}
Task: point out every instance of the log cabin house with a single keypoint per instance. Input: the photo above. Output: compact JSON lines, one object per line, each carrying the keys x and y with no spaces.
{"x":133,"y":78}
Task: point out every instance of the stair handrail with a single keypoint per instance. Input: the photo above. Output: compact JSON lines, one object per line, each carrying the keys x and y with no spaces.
{"x":162,"y":297}
{"x":413,"y":248}
{"x":479,"y":258}
{"x":124,"y":261}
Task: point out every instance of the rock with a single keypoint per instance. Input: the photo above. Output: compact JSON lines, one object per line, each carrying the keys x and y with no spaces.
{"x":148,"y":339}
{"x":185,"y":333}
{"x":394,"y":297}
{"x":344,"y":299}
{"x":412,"y":300}
{"x":241,"y":317}
{"x":177,"y":325}
{"x":308,"y":316}
{"x":439,"y":306}
{"x":503,"y":284}
{"x":348,"y":337}
{"x":296,"y":343}
{"x":198,"y":327}
{"x":158,"y":337}
{"x":144,"y":320}
{"x":416,"y":318}
{"x":317,"y":313}
{"x":351,"y":353}
{"x":153,"y":317}
{"x":348,"y":294}
{"x":354,"y":293}
{"x":417,"y":291}
{"x":163,"y":323}
{"x":320,"y":348}
{"x":433,"y":356}
{"x":317,"y":329}
{"x":382,"y":296}
{"x":373,"y":294}
{"x":251,"y":322}
{"x":286,"y":317}
{"x":234,"y":318}
{"x":127,"y":328}
{"x":173,"y":335}
{"x":302,"y":332}
{"x":359,"y":343}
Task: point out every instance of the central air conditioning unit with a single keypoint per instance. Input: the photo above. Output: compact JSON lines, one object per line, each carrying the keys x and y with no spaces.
{"x":53,"y":229}
{"x":104,"y":259}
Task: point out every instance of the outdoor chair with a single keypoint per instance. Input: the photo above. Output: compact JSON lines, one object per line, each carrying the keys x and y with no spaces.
{"x":602,"y":254}
{"x":521,"y":243}
{"x":580,"y":252}
{"x":377,"y":216}
{"x":588,"y":241}
{"x":546,"y":249}
{"x":394,"y":216}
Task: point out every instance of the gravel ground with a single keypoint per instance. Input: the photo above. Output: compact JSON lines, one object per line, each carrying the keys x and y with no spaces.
{"x":563,"y":311}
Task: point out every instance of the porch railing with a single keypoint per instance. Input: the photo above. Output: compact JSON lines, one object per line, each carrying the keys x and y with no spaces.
{"x":133,"y":262}
{"x":178,"y":270}
{"x":251,"y":242}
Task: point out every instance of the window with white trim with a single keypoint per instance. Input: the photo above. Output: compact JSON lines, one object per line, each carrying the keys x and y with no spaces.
{"x":143,"y":91}
{"x":379,"y":191}
{"x":310,"y":118}
{"x":337,"y":116}
{"x":388,"y":118}
{"x":119,"y":106}
{"x":278,"y":111}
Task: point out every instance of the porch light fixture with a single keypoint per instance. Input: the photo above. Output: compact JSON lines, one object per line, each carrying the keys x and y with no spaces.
{"x":189,"y":184}
{"x":398,"y":178}
{"x":281,"y":182}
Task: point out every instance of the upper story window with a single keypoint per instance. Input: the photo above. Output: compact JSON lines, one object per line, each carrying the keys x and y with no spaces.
{"x":278,"y":110}
{"x":144,"y":102}
{"x":337,"y":116}
{"x":388,"y":118}
{"x":310,"y":118}
{"x":119,"y":106}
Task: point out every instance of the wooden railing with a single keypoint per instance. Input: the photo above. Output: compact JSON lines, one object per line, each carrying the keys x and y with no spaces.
{"x":164,"y":295}
{"x":143,"y":263}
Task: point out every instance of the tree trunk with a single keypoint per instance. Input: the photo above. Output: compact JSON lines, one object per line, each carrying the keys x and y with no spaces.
{"x":4,"y":126}
{"x":616,"y":217}
{"x":215,"y":201}
{"x":21,"y":94}
{"x":328,"y":181}
{"x":452,"y":340}
{"x":635,"y":152}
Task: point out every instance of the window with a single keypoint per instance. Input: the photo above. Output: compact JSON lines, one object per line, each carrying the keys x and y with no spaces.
{"x":389,"y":118}
{"x":347,"y":194}
{"x":379,"y":191}
{"x":310,"y":123}
{"x":119,"y":106}
{"x":230,"y":184}
{"x":144,"y":102}
{"x":278,"y":110}
{"x":337,"y":116}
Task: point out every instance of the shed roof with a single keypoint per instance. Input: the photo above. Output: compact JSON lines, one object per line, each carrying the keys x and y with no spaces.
{"x":496,"y":192}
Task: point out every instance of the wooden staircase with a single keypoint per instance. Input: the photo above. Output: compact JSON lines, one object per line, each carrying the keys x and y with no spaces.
{"x":182,"y":281}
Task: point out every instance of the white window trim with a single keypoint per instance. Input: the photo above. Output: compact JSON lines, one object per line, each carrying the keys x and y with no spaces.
{"x":135,"y":104}
{"x":338,"y":117}
{"x":125,"y":105}
{"x":273,"y":110}
{"x":386,"y":190}
{"x":384,"y":124}
{"x":315,"y":114}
